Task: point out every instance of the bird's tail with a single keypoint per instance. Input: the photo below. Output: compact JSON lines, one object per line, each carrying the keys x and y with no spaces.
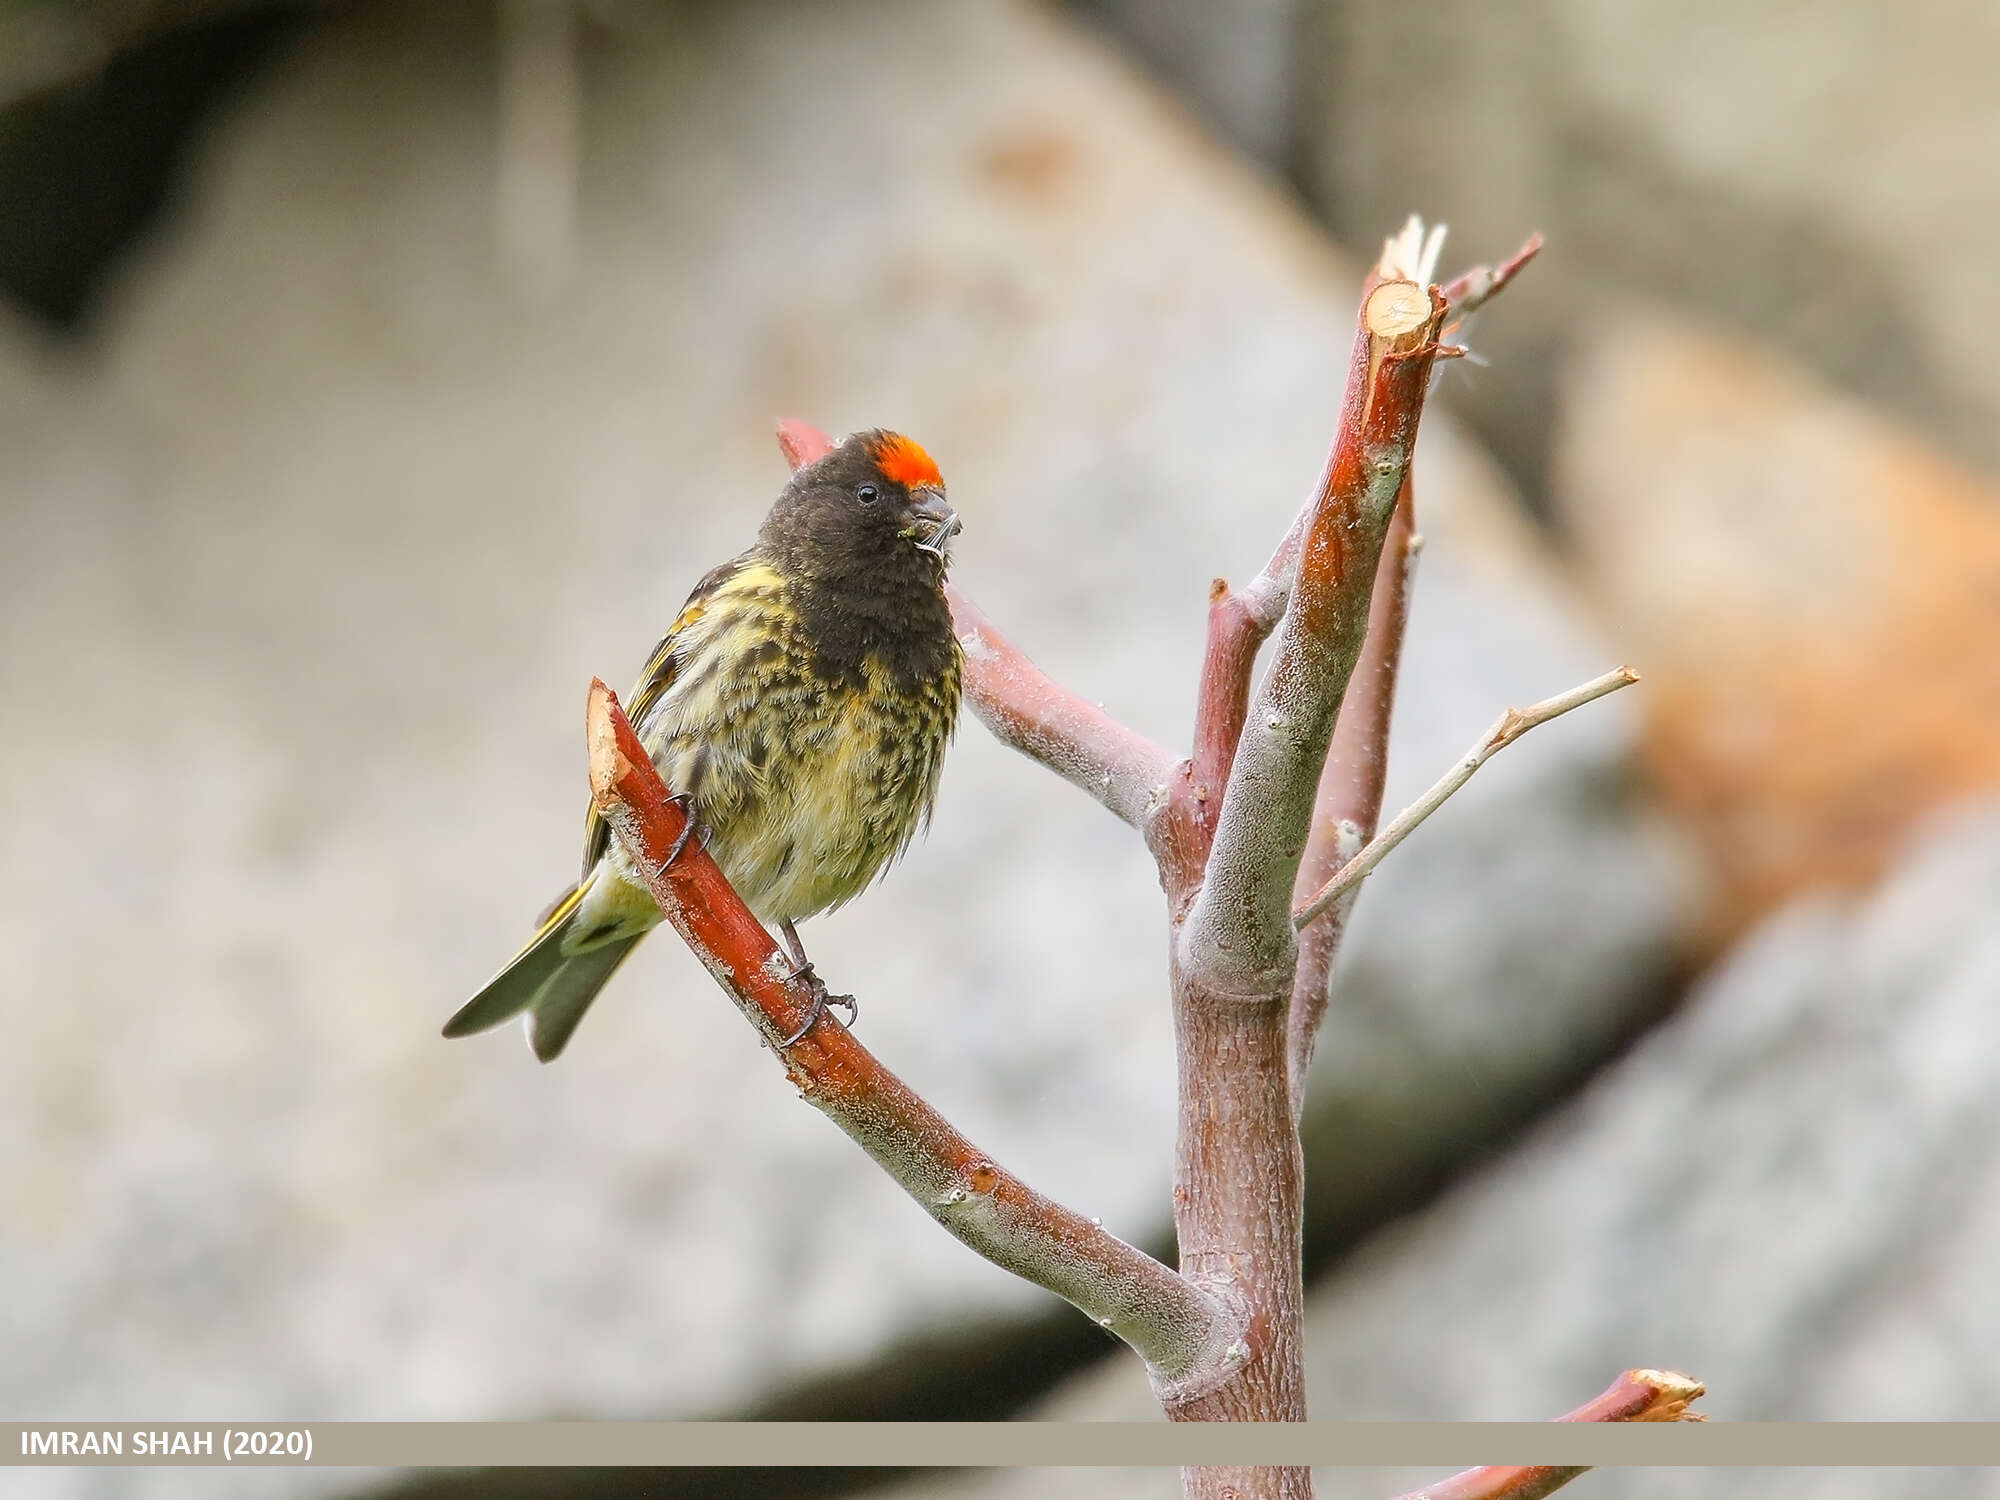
{"x":554,"y":986}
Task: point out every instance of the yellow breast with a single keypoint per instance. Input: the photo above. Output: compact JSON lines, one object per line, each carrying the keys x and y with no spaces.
{"x":808,"y":789}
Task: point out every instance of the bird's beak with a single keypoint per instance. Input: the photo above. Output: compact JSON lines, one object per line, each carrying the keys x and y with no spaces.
{"x":940,"y":523}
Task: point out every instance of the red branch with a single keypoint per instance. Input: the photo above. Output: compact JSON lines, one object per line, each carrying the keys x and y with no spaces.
{"x":1027,"y":709}
{"x":1180,"y":1332}
{"x":1241,"y":920}
{"x":1468,"y":292}
{"x":802,"y":442}
{"x":1222,"y":700}
{"x":1635,"y":1396}
{"x":1348,"y":805}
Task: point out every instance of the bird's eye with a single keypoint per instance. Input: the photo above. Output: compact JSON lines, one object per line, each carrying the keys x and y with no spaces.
{"x":867,"y":494}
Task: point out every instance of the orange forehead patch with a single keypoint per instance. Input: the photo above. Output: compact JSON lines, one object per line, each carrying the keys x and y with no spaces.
{"x":903,"y":461}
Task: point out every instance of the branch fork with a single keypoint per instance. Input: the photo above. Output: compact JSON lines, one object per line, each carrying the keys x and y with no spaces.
{"x":1268,"y":824}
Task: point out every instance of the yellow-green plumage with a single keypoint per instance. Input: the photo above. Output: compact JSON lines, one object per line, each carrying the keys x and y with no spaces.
{"x":804,"y":699}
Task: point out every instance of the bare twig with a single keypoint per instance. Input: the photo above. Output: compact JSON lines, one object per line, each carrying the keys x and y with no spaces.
{"x":1643,"y":1396}
{"x":1349,"y":802}
{"x":1471,"y":290}
{"x":1026,"y":709}
{"x":1510,"y":727}
{"x":1222,"y":698}
{"x":801,"y":442}
{"x":1179,"y":1331}
{"x":1265,"y":598}
{"x":1501,"y":1482}
{"x":1635,"y":1396}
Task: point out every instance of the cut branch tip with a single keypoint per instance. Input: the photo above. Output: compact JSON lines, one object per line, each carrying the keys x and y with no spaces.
{"x":609,"y":764}
{"x":1396,"y":309}
{"x":1672,"y":1392}
{"x":1635,"y":1396}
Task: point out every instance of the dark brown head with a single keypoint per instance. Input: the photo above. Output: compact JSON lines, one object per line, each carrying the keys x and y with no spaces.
{"x":872,"y":508}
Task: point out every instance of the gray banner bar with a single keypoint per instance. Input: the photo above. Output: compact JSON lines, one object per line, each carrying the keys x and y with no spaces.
{"x":995,"y":1444}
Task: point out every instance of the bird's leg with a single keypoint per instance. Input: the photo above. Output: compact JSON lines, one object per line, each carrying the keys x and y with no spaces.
{"x":802,"y":969}
{"x":794,"y":950}
{"x":685,"y":802}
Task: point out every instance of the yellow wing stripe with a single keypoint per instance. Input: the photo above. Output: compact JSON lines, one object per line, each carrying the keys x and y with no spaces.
{"x":658,"y":673}
{"x":736,"y":579}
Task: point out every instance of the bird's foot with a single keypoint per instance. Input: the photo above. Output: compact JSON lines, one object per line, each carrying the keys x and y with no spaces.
{"x":821,"y":999}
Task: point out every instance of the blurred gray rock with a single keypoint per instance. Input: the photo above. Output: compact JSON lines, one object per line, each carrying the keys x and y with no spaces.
{"x":1817,"y":177}
{"x":1235,"y":58}
{"x":1791,"y":1191}
{"x":1809,"y":175}
{"x":307,"y":565}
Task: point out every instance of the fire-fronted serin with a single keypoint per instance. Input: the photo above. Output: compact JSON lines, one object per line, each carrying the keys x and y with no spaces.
{"x":801,"y":701}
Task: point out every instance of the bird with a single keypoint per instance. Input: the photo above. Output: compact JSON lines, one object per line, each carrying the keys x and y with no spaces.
{"x":799,"y":708}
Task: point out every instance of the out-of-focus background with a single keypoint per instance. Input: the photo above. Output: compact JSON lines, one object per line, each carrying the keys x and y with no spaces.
{"x":372,"y":375}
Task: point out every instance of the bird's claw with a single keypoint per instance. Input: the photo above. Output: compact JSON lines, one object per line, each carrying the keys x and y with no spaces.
{"x":820,"y":1001}
{"x":685,"y":802}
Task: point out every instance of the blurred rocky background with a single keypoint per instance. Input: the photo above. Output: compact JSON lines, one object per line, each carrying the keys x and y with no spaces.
{"x":372,"y":375}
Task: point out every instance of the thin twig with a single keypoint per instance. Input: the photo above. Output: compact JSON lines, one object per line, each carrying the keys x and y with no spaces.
{"x":1470,"y":291}
{"x":1222,"y":696}
{"x":1028,"y":710}
{"x":1176,"y":1328}
{"x":801,"y":442}
{"x":1510,"y":727}
{"x":1267,"y":595}
{"x":1635,"y":1396}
